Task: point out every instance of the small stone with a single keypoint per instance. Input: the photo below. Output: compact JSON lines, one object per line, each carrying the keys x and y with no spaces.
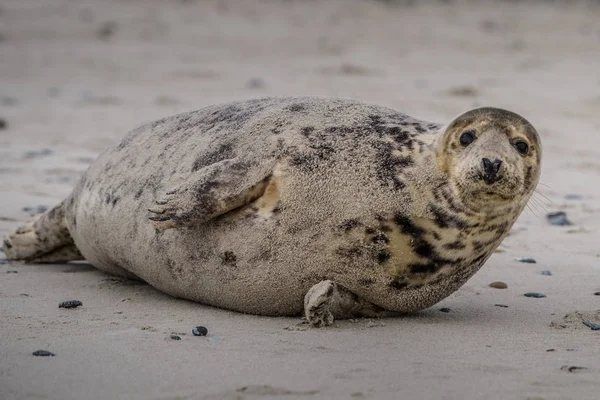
{"x":535,"y":295}
{"x":24,"y":294}
{"x":498,"y":285}
{"x":597,"y":293}
{"x":572,"y":368}
{"x":445,"y":309}
{"x":43,"y":353}
{"x":255,"y":83}
{"x":592,"y":326}
{"x":526,"y":260}
{"x":558,"y":218}
{"x":70,"y":304}
{"x":3,"y":123}
{"x":501,"y":305}
{"x":550,"y":350}
{"x":200,"y":331}
{"x":175,"y":337}
{"x":35,"y":209}
{"x":12,"y":271}
{"x":546,"y":272}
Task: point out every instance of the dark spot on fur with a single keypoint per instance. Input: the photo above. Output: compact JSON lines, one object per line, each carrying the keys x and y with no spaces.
{"x":386,"y":228}
{"x":444,"y":219}
{"x":350,"y":224}
{"x":138,"y":193}
{"x":395,"y":284}
{"x":421,"y":268}
{"x":383,"y":255}
{"x":380,"y":238}
{"x":307,"y":130}
{"x":366,"y":281}
{"x":424,"y":249}
{"x":456,"y":245}
{"x":407,"y":226}
{"x":229,"y":258}
{"x":369,"y":230}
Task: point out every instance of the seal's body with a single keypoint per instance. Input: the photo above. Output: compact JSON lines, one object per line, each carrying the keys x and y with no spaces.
{"x":254,"y":206}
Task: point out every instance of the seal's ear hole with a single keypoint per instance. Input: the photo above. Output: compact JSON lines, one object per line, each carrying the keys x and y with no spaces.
{"x":467,"y":138}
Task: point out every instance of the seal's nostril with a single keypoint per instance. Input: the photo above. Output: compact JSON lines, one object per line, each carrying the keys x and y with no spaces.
{"x":491,"y":167}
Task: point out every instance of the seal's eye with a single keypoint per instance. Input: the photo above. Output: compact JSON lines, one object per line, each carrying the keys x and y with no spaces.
{"x":522,"y":147}
{"x":467,"y":138}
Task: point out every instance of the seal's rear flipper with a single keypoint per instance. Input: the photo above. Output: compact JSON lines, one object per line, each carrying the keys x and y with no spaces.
{"x":210,"y":192}
{"x":45,"y":238}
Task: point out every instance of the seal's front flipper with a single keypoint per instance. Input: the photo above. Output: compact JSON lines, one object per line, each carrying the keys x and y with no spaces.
{"x":45,"y":238}
{"x":210,"y":192}
{"x":327,"y":301}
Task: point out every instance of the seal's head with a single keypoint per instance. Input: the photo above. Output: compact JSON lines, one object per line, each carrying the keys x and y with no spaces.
{"x":491,"y":157}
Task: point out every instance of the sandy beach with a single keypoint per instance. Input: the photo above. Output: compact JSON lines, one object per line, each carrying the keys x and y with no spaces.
{"x":76,"y":76}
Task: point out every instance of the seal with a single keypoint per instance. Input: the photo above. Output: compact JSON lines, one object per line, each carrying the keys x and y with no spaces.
{"x":279,"y":206}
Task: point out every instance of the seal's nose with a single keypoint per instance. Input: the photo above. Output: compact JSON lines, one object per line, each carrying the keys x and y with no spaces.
{"x":491,"y":169}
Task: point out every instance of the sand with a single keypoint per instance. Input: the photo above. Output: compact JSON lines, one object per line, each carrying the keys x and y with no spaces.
{"x":76,"y":76}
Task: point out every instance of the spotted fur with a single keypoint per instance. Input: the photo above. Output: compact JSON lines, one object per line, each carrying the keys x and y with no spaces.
{"x":248,"y":205}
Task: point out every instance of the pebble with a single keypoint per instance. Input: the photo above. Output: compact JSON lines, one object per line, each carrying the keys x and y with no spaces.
{"x":445,"y":309}
{"x":592,"y":326}
{"x":35,"y":209}
{"x":70,"y":304}
{"x":3,"y":123}
{"x":200,"y":331}
{"x":12,"y":271}
{"x":536,"y":295}
{"x":498,"y":285}
{"x":550,"y":350}
{"x":175,"y":337}
{"x":255,"y":83}
{"x":41,"y":153}
{"x":43,"y":353}
{"x":546,"y":272}
{"x":597,"y":293}
{"x":558,"y":218}
{"x":501,"y":305}
{"x":572,"y":368}
{"x":526,"y":260}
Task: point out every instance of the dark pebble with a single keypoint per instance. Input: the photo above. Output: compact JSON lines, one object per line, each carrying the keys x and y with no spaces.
{"x":43,"y":353}
{"x":558,"y":218}
{"x":35,"y":209}
{"x":536,"y":295}
{"x":572,"y":368}
{"x":70,"y":304}
{"x":597,"y":293}
{"x":526,"y":260}
{"x":200,"y":331}
{"x":445,"y":309}
{"x":550,"y":350}
{"x":3,"y":123}
{"x":546,"y":272}
{"x":255,"y":83}
{"x":12,"y":271}
{"x":501,"y":305}
{"x":24,"y":294}
{"x":175,"y":337}
{"x":592,"y":326}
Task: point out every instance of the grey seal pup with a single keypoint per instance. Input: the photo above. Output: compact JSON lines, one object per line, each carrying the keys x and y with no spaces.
{"x":279,"y":206}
